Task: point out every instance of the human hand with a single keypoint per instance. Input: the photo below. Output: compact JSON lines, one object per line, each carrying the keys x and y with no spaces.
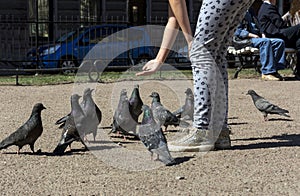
{"x":150,"y":68}
{"x":251,"y":35}
{"x":287,"y":16}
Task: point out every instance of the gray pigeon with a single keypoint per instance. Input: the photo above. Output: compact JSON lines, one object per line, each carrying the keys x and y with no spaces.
{"x":92,"y":112}
{"x":74,"y":127}
{"x":187,"y":110}
{"x":150,"y":133}
{"x":63,"y":119}
{"x":94,"y":115}
{"x":265,"y":106}
{"x":162,"y":115}
{"x":123,"y":123}
{"x":28,"y":133}
{"x":135,"y":104}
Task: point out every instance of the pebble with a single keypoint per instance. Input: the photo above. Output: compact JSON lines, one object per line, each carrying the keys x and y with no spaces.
{"x":180,"y":178}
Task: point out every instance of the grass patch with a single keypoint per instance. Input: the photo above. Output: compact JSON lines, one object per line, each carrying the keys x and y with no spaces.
{"x":53,"y":79}
{"x":37,"y":80}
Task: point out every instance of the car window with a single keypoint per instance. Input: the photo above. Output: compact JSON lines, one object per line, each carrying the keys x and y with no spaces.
{"x":70,"y":36}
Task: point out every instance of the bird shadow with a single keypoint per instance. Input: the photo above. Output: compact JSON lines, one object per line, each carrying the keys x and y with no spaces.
{"x":240,"y":123}
{"x":72,"y":152}
{"x":96,"y":148}
{"x":170,"y":131}
{"x":31,"y":153}
{"x":280,"y":119}
{"x":130,"y":138}
{"x":284,"y":140}
{"x":100,"y":142}
{"x":233,"y":117}
{"x":179,"y":160}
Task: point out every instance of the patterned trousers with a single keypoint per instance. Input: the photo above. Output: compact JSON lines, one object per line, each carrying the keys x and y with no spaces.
{"x":216,"y":24}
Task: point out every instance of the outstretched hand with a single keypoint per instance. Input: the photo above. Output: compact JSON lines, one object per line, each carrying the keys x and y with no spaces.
{"x":150,"y":68}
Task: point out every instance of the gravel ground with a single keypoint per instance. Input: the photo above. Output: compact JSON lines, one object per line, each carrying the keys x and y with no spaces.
{"x":264,"y":159}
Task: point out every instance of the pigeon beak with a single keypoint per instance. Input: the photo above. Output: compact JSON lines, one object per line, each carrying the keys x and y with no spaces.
{"x":44,"y":108}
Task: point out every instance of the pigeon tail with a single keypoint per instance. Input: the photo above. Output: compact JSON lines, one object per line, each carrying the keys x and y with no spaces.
{"x":61,"y":147}
{"x":62,"y":120}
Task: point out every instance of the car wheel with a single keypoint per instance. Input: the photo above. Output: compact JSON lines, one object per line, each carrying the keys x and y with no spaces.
{"x":65,"y":64}
{"x":142,"y":60}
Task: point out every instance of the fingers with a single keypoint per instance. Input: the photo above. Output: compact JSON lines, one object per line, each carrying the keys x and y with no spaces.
{"x":150,"y":68}
{"x":144,"y":73}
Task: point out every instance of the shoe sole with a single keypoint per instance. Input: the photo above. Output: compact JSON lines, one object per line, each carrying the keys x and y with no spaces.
{"x":202,"y":148}
{"x":222,"y":147}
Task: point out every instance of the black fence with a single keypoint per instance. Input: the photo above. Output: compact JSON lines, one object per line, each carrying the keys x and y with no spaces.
{"x":30,"y":46}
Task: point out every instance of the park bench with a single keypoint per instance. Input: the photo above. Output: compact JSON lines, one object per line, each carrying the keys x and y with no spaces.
{"x":248,"y":57}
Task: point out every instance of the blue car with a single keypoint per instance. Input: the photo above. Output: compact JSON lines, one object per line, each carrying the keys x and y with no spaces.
{"x":117,"y":45}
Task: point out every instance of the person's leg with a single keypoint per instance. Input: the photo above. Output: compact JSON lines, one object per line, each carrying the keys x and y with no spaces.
{"x":215,"y":21}
{"x":292,"y":40}
{"x":221,"y":60}
{"x":298,"y":59}
{"x":266,"y":55}
{"x":223,"y":141}
{"x":278,"y":46}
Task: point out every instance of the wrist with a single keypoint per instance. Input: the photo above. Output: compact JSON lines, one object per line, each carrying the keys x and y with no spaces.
{"x":159,"y":61}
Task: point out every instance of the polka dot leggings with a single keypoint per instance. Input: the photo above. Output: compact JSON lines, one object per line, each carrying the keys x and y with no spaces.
{"x":216,"y":24}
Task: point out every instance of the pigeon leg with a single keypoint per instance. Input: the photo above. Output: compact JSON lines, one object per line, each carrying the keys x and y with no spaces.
{"x":85,"y":139}
{"x":157,"y":158}
{"x":94,"y":135}
{"x":32,"y":148}
{"x":266,"y":117}
{"x":18,"y":151}
{"x":70,"y":147}
{"x":85,"y":147}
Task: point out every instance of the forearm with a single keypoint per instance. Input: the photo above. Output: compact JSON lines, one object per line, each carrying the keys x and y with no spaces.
{"x":178,"y":17}
{"x":169,"y":36}
{"x":179,"y":10}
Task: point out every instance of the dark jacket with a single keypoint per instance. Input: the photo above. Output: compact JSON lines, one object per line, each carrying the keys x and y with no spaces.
{"x":248,"y":25}
{"x":270,"y":20}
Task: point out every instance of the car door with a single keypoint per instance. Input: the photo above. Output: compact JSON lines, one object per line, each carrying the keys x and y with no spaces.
{"x":89,"y":40}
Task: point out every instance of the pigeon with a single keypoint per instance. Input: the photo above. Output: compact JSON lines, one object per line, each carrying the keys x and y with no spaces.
{"x":162,"y":115}
{"x":28,"y":133}
{"x":265,"y":106}
{"x":87,"y":105}
{"x":135,"y":104}
{"x":123,"y":123}
{"x":63,"y":119}
{"x":187,"y":110}
{"x":92,"y":112}
{"x":151,"y":135}
{"x":73,"y":128}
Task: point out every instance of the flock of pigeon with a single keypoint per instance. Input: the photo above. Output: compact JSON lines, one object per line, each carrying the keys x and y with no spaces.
{"x":85,"y":117}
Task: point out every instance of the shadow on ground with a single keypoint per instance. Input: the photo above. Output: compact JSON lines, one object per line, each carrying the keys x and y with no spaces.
{"x":284,"y":140}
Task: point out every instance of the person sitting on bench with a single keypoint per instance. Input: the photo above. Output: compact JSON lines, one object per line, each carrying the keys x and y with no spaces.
{"x":273,"y":25}
{"x":272,"y":51}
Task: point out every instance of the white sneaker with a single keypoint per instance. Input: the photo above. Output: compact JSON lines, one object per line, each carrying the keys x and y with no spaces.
{"x":197,"y":140}
{"x":223,"y":141}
